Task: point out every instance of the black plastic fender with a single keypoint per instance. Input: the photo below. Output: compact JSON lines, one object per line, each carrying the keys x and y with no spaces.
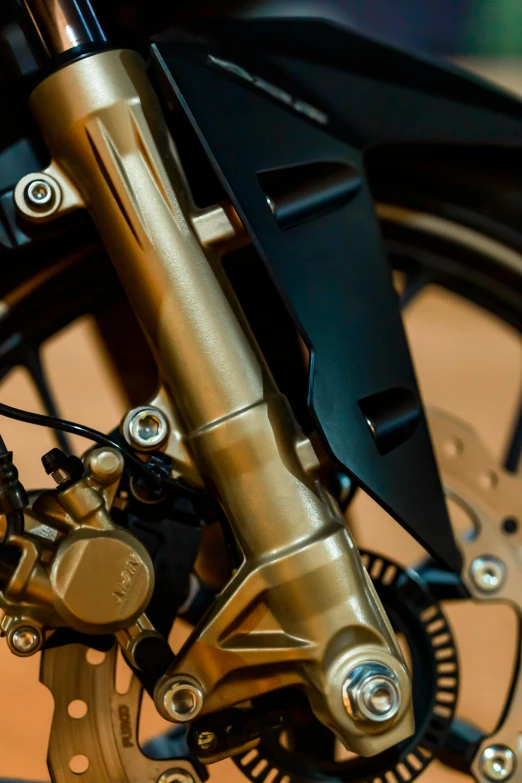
{"x":285,"y":110}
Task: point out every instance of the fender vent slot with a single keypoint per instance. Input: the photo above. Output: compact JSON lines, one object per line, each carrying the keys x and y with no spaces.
{"x":297,"y":194}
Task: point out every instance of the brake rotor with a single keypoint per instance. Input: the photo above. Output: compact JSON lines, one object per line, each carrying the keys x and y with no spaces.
{"x":94,"y":733}
{"x":106,"y":736}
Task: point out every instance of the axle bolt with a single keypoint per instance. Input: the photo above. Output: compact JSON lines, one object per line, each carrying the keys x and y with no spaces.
{"x":488,"y":573}
{"x":180,"y":698}
{"x":177,"y":775}
{"x":39,"y":194}
{"x":497,"y":762}
{"x":146,"y":428}
{"x":371,"y":693}
{"x":25,"y":640}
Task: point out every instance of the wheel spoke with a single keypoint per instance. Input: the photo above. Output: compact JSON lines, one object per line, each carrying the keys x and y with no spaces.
{"x":33,"y":364}
{"x":514,"y":451}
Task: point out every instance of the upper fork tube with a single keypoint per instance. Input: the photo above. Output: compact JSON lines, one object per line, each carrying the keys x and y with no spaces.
{"x":105,"y":129}
{"x":64,"y":26}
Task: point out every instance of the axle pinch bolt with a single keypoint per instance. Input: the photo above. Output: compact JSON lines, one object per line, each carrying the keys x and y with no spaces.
{"x":181,"y":698}
{"x":371,"y":693}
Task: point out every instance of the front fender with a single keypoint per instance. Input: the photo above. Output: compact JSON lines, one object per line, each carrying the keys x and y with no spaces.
{"x":285,"y":110}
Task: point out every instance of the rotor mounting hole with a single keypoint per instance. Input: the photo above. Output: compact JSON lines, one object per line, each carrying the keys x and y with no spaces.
{"x":95,"y":657}
{"x":77,"y":709}
{"x":79,"y":764}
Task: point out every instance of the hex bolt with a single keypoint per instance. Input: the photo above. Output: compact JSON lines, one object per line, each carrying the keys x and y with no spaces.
{"x":25,"y":640}
{"x":488,"y":573}
{"x":371,"y":693}
{"x":497,"y":762}
{"x":39,"y":194}
{"x":181,"y":698}
{"x":146,"y":428}
{"x":176,"y":775}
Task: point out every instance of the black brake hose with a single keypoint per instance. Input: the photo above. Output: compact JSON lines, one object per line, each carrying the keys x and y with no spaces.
{"x":54,"y":423}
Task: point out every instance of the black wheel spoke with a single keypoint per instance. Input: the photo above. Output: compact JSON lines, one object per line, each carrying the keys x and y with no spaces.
{"x":32,"y":362}
{"x":414,"y":285}
{"x":514,"y":450}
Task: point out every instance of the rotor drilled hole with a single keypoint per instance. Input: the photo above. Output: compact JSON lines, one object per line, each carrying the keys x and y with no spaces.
{"x":79,"y":764}
{"x":77,"y":709}
{"x":95,"y":657}
{"x":488,"y":480}
{"x":510,"y":525}
{"x":453,"y":447}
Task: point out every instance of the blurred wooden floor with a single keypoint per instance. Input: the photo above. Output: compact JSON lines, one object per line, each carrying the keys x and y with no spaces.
{"x":468,"y":364}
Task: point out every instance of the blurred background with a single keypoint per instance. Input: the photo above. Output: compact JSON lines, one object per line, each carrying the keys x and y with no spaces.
{"x":468,"y":363}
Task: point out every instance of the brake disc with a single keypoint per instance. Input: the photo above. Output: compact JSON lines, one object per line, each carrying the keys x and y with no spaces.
{"x":94,"y":732}
{"x":106,"y":736}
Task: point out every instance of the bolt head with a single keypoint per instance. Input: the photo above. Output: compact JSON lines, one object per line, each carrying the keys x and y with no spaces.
{"x":147,"y":428}
{"x":371,"y":693}
{"x":25,"y":640}
{"x":497,"y":762}
{"x":488,"y":573}
{"x":182,"y":699}
{"x":106,"y":464}
{"x":39,"y":194}
{"x":176,"y":775}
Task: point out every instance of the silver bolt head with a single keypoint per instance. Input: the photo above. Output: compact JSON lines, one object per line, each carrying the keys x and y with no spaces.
{"x":497,"y":762}
{"x":371,"y":693}
{"x":176,"y":775}
{"x":25,"y":640}
{"x":39,"y":194}
{"x":488,"y":573}
{"x":182,"y":699}
{"x":147,"y":428}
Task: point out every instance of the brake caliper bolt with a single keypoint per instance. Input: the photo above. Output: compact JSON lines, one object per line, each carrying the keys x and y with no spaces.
{"x":181,"y":699}
{"x":25,"y":640}
{"x":146,"y":428}
{"x":497,"y":762}
{"x":39,"y":194}
{"x":488,"y":573}
{"x":176,"y":775}
{"x":371,"y":693}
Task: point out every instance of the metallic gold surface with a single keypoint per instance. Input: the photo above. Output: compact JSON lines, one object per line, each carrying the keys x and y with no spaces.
{"x":77,"y":568}
{"x":107,"y":733}
{"x":301,"y":609}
